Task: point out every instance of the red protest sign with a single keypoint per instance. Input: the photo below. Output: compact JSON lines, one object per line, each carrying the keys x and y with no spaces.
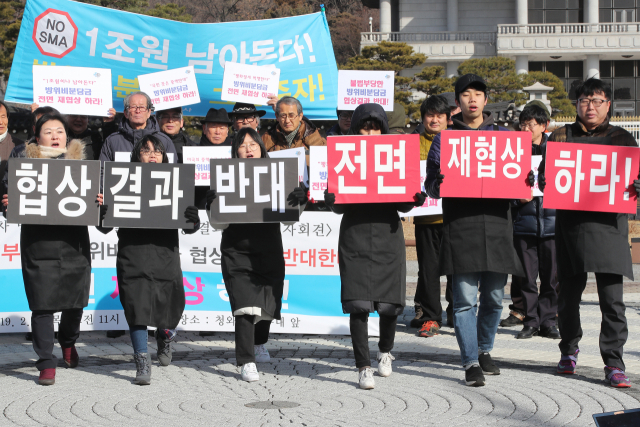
{"x":374,"y":168}
{"x":485,"y":164}
{"x":591,"y":177}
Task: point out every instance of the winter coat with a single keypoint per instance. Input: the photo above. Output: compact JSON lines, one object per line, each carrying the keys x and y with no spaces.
{"x":307,"y":136}
{"x":6,"y":147}
{"x":592,"y":241}
{"x":92,"y":143}
{"x":127,"y":137}
{"x":478,"y":233}
{"x":181,"y":140}
{"x":335,"y":130}
{"x":56,"y":259}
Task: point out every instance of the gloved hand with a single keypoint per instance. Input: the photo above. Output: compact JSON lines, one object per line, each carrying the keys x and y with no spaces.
{"x":191,"y":214}
{"x":419,"y":199}
{"x":542,"y":182}
{"x":439,"y":178}
{"x":329,"y":198}
{"x":103,"y":212}
{"x":636,"y":184}
{"x":298,"y":196}
{"x":211,"y":196}
{"x":531,"y":178}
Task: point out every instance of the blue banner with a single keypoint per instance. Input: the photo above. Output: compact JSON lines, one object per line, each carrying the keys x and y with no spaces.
{"x":64,"y":32}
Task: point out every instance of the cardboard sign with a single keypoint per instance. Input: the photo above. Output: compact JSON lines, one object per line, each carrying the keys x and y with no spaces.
{"x":591,"y":177}
{"x":251,"y":84}
{"x":171,"y":88}
{"x":318,"y":173}
{"x":148,"y":195}
{"x":374,"y":169}
{"x":535,"y":165}
{"x":54,"y":192}
{"x":430,"y":206}
{"x":294,"y":153}
{"x":365,"y":87}
{"x":485,"y":164}
{"x":200,"y":157}
{"x":73,"y":90}
{"x":253,"y":190}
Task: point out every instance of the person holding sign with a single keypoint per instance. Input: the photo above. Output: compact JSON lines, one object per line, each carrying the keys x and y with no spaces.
{"x":592,"y":242}
{"x":253,"y":268}
{"x":56,"y":259}
{"x":371,"y":253}
{"x":149,"y":274}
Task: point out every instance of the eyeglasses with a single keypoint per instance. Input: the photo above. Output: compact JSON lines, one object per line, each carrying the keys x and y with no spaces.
{"x":141,"y":109}
{"x":249,"y":147}
{"x":248,"y":119}
{"x":151,"y":153}
{"x":531,"y":125}
{"x":284,"y":116}
{"x":345,"y":116}
{"x":584,"y":102}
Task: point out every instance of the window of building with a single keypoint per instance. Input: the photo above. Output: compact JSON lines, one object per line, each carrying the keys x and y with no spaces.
{"x":619,"y":10}
{"x":555,"y":11}
{"x":570,"y":72}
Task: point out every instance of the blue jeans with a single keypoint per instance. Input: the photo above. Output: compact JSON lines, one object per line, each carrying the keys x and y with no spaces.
{"x":139,"y":337}
{"x":476,"y":335}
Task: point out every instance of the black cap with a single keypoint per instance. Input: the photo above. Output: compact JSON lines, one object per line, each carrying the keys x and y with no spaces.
{"x":242,"y":108}
{"x":467,"y":80}
{"x":216,"y":116}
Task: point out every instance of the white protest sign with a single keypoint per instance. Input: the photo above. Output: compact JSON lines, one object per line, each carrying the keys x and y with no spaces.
{"x":125,"y":156}
{"x":318,"y":176}
{"x":249,"y":83}
{"x":430,"y":206}
{"x":171,"y":88}
{"x":364,"y":87}
{"x":294,"y":153}
{"x":200,"y":156}
{"x":535,"y":164}
{"x":73,"y":90}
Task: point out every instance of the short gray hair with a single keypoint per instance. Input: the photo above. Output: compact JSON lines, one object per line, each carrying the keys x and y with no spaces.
{"x":288,"y":100}
{"x":127,"y":100}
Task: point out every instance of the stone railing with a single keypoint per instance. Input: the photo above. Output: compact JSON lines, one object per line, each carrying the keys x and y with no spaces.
{"x":607,"y":28}
{"x":444,"y":36}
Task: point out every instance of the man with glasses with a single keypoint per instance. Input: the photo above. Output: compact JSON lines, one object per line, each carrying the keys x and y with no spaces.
{"x":245,"y":115}
{"x":343,"y":125}
{"x":215,"y":129}
{"x":171,"y":124}
{"x":593,"y":242}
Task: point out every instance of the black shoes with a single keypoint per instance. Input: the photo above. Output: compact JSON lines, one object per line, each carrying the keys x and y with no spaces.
{"x":115,"y":334}
{"x":473,"y":376}
{"x":550,"y":332}
{"x":510,"y":321}
{"x":527,"y":332}
{"x":417,"y":321}
{"x":487,"y":365}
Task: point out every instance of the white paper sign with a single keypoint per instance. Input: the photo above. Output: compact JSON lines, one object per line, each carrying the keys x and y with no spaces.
{"x":364,"y":87}
{"x":73,"y":90}
{"x":171,"y":88}
{"x":125,"y":156}
{"x":298,"y":153}
{"x":430,"y":206}
{"x":200,"y":156}
{"x":251,"y":84}
{"x":535,"y":164}
{"x":317,"y":172}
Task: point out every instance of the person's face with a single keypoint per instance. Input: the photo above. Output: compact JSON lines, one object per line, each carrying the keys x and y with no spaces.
{"x":590,"y":113}
{"x":471,"y":102}
{"x":344,"y":121}
{"x":137,"y":113}
{"x":434,"y":122}
{"x":370,"y":131}
{"x":52,"y":134}
{"x":249,"y":149}
{"x":170,"y":122}
{"x":149,"y":154}
{"x":77,"y":124}
{"x":535,"y":128}
{"x":288,"y":118}
{"x":216,"y":133}
{"x":4,"y":119}
{"x":245,"y":121}
{"x":454,"y":111}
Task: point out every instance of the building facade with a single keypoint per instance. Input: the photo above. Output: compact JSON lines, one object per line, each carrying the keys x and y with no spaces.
{"x":573,"y":39}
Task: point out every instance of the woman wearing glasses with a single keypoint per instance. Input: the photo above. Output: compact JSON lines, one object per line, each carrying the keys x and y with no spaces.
{"x":150,"y":276}
{"x":253,"y":269}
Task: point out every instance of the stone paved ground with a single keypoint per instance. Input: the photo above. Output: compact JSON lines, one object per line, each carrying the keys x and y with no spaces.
{"x":202,"y":386}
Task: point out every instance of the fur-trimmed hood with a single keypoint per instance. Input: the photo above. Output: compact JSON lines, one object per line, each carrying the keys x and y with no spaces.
{"x":75,"y":150}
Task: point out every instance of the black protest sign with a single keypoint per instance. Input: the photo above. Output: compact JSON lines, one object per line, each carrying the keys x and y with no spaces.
{"x":253,"y":190}
{"x":148,"y":195}
{"x":53,"y":191}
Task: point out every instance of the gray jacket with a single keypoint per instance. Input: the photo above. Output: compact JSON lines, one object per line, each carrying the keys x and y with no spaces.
{"x":126,"y":138}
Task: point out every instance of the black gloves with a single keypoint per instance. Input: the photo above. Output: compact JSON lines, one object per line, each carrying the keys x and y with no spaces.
{"x":298,"y":196}
{"x":636,"y":184}
{"x":531,"y":178}
{"x":419,"y":199}
{"x":329,"y":198}
{"x":211,"y":196}
{"x":191,"y":213}
{"x":103,"y":212}
{"x":542,"y":182}
{"x":439,"y":178}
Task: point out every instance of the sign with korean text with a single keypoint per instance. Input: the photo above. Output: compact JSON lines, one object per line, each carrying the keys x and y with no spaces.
{"x":318,"y":173}
{"x":430,"y":206}
{"x":71,"y":33}
{"x":53,"y":191}
{"x":485,"y":164}
{"x":147,"y":195}
{"x":73,"y":90}
{"x":171,"y":88}
{"x":250,"y":84}
{"x":200,"y":156}
{"x":374,"y":169}
{"x":535,"y":165}
{"x":294,"y":153}
{"x":591,"y":177}
{"x":365,"y":87}
{"x":253,"y":190}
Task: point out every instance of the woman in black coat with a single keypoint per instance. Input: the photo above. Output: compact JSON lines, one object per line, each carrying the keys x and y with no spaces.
{"x":150,"y":276}
{"x":372,"y":258}
{"x":253,"y":268}
{"x":56,"y":261}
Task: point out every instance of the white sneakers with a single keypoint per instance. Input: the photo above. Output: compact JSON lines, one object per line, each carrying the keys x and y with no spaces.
{"x":365,"y":378}
{"x":384,"y":364}
{"x":249,"y":372}
{"x":261,"y":353}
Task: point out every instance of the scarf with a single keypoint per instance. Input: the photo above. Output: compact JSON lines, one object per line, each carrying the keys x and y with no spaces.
{"x":292,"y":135}
{"x":426,"y":139}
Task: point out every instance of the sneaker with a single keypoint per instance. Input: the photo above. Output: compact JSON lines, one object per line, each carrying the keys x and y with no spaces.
{"x":47,"y":376}
{"x":429,"y":329}
{"x":249,"y":372}
{"x":365,"y":379}
{"x":616,"y":377}
{"x":417,"y":321}
{"x":567,"y":364}
{"x":512,"y":320}
{"x":384,"y":364}
{"x":487,"y":365}
{"x":164,"y":350}
{"x":473,"y":376}
{"x":143,"y":368}
{"x":70,"y":356}
{"x":261,"y":353}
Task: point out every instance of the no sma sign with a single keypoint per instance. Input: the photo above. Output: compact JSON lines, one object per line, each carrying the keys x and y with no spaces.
{"x":55,"y":33}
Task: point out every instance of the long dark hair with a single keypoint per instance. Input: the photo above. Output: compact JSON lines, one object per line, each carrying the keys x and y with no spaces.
{"x":49,"y":117}
{"x":239,"y":139}
{"x":155,"y":142}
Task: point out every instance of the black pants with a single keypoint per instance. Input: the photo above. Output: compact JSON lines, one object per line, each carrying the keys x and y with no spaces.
{"x":43,"y":335}
{"x":249,"y":334}
{"x":538,"y":256}
{"x":613,"y":329}
{"x":428,"y":239}
{"x":358,"y":324}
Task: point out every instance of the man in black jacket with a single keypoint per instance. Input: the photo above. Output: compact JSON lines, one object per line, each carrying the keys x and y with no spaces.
{"x":171,"y":123}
